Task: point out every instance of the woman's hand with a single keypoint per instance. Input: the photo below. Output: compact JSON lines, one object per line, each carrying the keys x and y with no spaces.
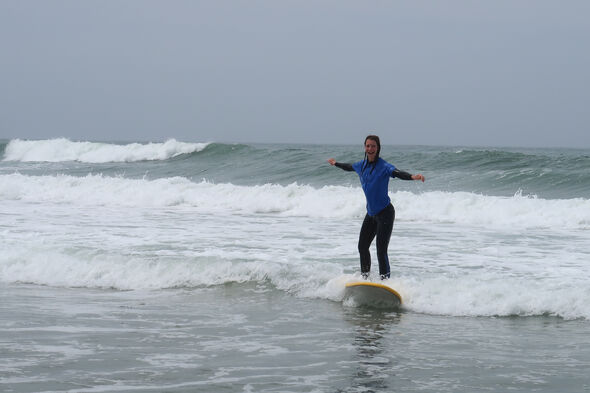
{"x":332,"y":161}
{"x":418,"y":177}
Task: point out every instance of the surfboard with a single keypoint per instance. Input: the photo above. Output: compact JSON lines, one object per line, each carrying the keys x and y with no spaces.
{"x":368,"y":293}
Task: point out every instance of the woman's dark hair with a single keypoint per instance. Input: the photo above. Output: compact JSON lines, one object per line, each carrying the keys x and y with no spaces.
{"x":374,"y":138}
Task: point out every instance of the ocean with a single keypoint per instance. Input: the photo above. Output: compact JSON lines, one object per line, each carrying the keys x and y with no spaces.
{"x":213,"y":267}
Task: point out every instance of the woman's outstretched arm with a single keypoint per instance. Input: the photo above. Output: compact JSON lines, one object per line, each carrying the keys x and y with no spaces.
{"x":346,"y":167}
{"x":406,"y":176}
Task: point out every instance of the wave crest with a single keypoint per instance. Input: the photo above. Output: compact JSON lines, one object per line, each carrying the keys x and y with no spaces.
{"x":462,"y":208}
{"x":62,"y":149}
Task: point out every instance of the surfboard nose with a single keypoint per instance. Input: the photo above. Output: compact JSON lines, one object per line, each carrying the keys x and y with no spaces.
{"x":366,"y":293}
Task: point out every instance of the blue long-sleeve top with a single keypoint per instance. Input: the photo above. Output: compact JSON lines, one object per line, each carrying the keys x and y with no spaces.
{"x":374,"y":179}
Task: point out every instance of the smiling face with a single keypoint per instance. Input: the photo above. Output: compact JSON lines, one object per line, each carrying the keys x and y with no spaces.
{"x":372,"y":149}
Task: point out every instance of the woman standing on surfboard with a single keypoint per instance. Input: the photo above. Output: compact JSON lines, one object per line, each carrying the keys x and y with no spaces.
{"x":374,"y":173}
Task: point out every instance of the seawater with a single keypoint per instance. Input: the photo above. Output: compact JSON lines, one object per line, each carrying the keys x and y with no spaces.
{"x":181,"y":266}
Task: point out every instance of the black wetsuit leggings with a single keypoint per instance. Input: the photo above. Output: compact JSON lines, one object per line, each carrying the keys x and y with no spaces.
{"x":380,"y":225}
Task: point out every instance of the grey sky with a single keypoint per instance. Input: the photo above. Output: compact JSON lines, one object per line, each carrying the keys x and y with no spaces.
{"x":494,"y":73}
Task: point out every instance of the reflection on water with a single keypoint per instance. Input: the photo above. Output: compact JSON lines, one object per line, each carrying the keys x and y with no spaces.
{"x":373,"y":331}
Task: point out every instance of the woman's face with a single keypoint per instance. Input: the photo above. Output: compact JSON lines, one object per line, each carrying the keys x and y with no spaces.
{"x":371,"y":149}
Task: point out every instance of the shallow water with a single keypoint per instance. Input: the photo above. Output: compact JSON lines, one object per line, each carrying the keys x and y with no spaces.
{"x":245,"y":337}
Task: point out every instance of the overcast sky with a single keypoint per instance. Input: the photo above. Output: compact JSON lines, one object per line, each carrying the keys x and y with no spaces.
{"x":478,"y":73}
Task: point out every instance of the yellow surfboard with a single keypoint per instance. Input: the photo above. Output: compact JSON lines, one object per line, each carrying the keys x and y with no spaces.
{"x":368,"y":293}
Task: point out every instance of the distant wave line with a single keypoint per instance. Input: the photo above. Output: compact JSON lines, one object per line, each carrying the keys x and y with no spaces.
{"x":63,"y":150}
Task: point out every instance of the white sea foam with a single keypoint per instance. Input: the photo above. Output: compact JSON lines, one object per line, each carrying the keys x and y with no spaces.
{"x":452,"y":253}
{"x":42,"y":263}
{"x":296,"y":200}
{"x":488,"y":294}
{"x":478,"y":294}
{"x":61,"y":149}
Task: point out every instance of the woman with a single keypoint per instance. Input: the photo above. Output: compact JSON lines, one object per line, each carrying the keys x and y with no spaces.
{"x":374,"y":173}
